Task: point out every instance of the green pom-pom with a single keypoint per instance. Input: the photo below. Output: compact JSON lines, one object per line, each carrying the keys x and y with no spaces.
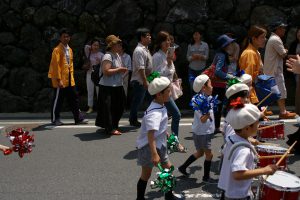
{"x":232,"y":81}
{"x":152,"y":76}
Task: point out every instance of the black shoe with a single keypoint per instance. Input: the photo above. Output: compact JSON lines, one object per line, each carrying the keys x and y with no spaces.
{"x":183,"y":171}
{"x":135,"y":123}
{"x":82,"y":121}
{"x":209,"y":180}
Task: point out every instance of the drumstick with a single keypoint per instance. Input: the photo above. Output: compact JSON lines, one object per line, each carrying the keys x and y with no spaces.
{"x":263,"y":111}
{"x":264,"y":99}
{"x":285,"y":154}
{"x":282,"y":157}
{"x":270,"y":126}
{"x":273,"y":156}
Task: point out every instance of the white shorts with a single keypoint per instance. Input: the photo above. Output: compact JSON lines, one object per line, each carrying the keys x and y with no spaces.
{"x":279,"y":79}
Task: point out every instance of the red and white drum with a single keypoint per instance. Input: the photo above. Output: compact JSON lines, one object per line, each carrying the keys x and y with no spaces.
{"x":271,"y":133}
{"x":280,"y":186}
{"x":268,"y":150}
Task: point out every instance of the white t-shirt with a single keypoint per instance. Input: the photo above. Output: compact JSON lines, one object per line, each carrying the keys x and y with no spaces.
{"x":160,"y":64}
{"x":241,"y":159}
{"x":141,"y":59}
{"x":155,"y":118}
{"x":205,"y":128}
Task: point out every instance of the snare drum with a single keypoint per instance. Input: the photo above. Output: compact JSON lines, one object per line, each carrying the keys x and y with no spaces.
{"x":268,"y":150}
{"x":275,"y":132}
{"x":280,"y":186}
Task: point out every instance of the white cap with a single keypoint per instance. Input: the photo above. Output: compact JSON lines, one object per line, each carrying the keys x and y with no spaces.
{"x":245,"y":78}
{"x":238,"y":87}
{"x":158,"y":85}
{"x":242,"y":117}
{"x":199,"y":82}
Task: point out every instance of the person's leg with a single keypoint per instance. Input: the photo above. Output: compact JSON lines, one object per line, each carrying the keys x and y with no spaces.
{"x":118,"y":104}
{"x":221,"y":97}
{"x":176,"y":115}
{"x":142,"y":182}
{"x":207,"y":164}
{"x":57,"y":102}
{"x":138,"y":94}
{"x":182,"y":169}
{"x":90,"y":89}
{"x":73,"y":101}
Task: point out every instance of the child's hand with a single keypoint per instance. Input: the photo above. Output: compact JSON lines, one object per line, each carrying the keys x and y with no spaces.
{"x":155,"y":159}
{"x":270,"y":169}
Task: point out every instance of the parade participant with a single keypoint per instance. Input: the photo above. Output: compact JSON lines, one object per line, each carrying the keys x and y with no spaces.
{"x":238,"y":167}
{"x":61,"y":73}
{"x":141,"y":68}
{"x":111,"y":101}
{"x":152,"y":143}
{"x":93,"y":53}
{"x":240,"y":92}
{"x":197,"y":54}
{"x":250,"y":59}
{"x":163,"y":63}
{"x":203,"y":127}
{"x":273,"y":65}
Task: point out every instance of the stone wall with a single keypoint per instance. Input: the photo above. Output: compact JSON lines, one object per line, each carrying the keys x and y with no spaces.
{"x":28,"y":32}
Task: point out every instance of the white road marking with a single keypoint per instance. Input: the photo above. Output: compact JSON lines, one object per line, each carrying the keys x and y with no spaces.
{"x":92,"y":126}
{"x":200,"y":195}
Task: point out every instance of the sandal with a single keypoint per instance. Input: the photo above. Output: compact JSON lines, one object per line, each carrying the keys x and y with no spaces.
{"x":181,"y":148}
{"x":116,"y":132}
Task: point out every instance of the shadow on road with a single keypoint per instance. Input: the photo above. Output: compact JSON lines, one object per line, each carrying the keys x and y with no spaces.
{"x":98,"y":135}
{"x":131,"y":155}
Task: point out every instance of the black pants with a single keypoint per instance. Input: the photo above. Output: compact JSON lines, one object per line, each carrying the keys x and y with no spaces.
{"x":221,"y":97}
{"x":111,"y":103}
{"x":58,"y":99}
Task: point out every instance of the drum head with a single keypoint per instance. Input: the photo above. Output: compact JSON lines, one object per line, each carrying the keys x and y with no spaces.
{"x":269,"y":148}
{"x":283,"y":181}
{"x":268,"y":123}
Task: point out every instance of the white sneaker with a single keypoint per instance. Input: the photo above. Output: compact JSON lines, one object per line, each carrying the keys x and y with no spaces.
{"x":90,"y":110}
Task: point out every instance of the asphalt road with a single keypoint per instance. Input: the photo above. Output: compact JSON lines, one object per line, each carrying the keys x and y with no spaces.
{"x":82,"y":163}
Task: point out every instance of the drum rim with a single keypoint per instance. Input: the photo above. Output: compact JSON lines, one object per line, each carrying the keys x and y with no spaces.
{"x":281,"y":188}
{"x":262,"y":147}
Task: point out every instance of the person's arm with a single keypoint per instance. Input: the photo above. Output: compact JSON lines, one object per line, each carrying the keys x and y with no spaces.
{"x":188,"y":54}
{"x":55,"y":68}
{"x":109,"y":71}
{"x":152,"y":144}
{"x":220,"y":62}
{"x":293,"y":64}
{"x":279,"y":48}
{"x":248,"y":174}
{"x":206,"y":53}
{"x":204,"y":118}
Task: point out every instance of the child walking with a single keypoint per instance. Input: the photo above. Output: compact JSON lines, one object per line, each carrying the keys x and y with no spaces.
{"x":203,"y":128}
{"x":152,"y":141}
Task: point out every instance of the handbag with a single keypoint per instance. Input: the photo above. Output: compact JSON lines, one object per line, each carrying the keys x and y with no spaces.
{"x":176,"y":89}
{"x":215,"y":80}
{"x":86,"y":62}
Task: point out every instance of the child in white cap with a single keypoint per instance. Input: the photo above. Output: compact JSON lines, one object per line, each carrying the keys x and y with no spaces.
{"x":152,"y":142}
{"x":238,"y":167}
{"x":203,"y":127}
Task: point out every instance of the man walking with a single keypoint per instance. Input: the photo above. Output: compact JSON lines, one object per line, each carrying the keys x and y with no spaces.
{"x":141,"y":68}
{"x":273,"y":65}
{"x":61,"y":73}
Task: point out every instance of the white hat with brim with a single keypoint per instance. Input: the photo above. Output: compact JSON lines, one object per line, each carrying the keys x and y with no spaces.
{"x":242,"y":117}
{"x":199,"y":82}
{"x":158,"y":85}
{"x":245,"y":78}
{"x":238,"y":87}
